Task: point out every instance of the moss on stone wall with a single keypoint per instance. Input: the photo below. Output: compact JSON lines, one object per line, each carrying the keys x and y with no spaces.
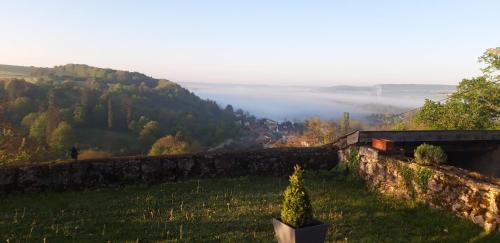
{"x":442,"y":187}
{"x":422,"y":176}
{"x":407,"y":174}
{"x":353,"y":160}
{"x":411,"y":176}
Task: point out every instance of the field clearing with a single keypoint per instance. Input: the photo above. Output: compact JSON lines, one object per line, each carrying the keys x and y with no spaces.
{"x":224,"y":210}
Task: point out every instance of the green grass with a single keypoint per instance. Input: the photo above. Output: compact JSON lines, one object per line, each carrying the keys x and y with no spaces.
{"x":224,"y":210}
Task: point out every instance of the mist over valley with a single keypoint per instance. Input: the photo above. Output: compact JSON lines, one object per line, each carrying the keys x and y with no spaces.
{"x":297,"y":103}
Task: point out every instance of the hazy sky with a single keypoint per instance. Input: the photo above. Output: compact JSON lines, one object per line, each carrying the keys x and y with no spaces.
{"x":273,"y":42}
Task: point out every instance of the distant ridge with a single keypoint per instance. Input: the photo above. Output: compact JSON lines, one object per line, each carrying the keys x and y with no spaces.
{"x":380,"y":89}
{"x":14,"y":71}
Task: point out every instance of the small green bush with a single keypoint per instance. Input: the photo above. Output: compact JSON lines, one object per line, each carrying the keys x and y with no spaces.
{"x":426,"y":154}
{"x":423,"y":175}
{"x":353,"y":160}
{"x":297,"y":209}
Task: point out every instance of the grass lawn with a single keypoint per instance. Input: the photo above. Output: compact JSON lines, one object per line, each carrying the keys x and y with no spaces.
{"x":224,"y":210}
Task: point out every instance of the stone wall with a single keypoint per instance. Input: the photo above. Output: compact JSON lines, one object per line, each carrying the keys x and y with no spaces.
{"x":467,"y":194}
{"x":71,"y":175}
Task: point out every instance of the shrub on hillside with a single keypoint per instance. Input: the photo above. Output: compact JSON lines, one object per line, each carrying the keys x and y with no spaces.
{"x":169,"y":145}
{"x":94,"y":154}
{"x":426,"y":154}
{"x":297,"y":209}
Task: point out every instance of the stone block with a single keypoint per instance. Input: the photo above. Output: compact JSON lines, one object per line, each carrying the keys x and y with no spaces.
{"x":100,"y":173}
{"x":478,"y":219}
{"x":132,"y":171}
{"x":8,"y":179}
{"x":169,"y":169}
{"x":34,"y":178}
{"x":456,"y":207}
{"x":151,"y":170}
{"x":185,"y":166}
{"x":60,"y":174}
{"x":223,"y":165}
{"x":204,"y":166}
{"x":78,"y":174}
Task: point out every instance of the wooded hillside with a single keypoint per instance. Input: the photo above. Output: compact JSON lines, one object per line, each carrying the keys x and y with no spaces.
{"x":51,"y":109}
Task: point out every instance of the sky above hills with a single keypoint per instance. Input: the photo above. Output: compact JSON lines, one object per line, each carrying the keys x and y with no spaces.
{"x":263,"y":42}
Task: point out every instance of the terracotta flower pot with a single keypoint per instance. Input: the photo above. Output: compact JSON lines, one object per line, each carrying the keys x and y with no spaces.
{"x":314,"y":233}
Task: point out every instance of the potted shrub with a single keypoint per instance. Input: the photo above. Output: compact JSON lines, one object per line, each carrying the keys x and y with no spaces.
{"x":426,"y":154}
{"x":296,"y":223}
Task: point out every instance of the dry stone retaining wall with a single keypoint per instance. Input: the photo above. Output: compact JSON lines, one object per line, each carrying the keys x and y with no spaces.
{"x":71,"y":175}
{"x":468,"y":195}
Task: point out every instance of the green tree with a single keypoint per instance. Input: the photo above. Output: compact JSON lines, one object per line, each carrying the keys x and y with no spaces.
{"x":400,"y":126}
{"x":52,"y":114}
{"x":319,"y":132}
{"x":491,"y":57}
{"x":16,"y":88}
{"x":137,"y":126}
{"x":62,"y":138}
{"x":29,"y":119}
{"x":344,"y":123}
{"x":296,"y":210}
{"x":110,"y":111}
{"x":127,"y":104}
{"x":149,"y":133}
{"x":116,"y":88}
{"x":79,"y":114}
{"x":474,"y":105}
{"x":20,"y":107}
{"x":229,"y":109}
{"x":37,"y":129}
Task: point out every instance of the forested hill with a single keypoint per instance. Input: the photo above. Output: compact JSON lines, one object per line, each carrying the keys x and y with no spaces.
{"x":103,"y":109}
